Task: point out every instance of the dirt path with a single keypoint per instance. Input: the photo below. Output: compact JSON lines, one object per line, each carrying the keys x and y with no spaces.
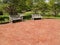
{"x":39,"y":32}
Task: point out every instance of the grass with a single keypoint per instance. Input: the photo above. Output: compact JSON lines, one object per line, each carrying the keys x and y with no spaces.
{"x":51,"y":17}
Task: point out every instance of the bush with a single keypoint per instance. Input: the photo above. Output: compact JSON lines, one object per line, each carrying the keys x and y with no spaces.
{"x":1,"y":12}
{"x":4,"y":18}
{"x":27,"y":15}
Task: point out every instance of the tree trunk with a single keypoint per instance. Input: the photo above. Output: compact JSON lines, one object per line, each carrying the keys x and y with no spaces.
{"x":55,"y":13}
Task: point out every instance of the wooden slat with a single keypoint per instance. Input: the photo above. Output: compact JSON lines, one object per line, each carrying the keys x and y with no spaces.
{"x":15,"y":17}
{"x":36,"y":16}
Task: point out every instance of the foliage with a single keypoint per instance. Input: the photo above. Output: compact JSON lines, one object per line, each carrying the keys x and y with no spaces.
{"x":4,"y":18}
{"x":55,"y":7}
{"x":27,"y":15}
{"x":35,"y":6}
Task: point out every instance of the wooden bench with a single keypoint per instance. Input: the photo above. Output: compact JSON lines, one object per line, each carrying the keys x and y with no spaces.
{"x":36,"y":17}
{"x":15,"y":18}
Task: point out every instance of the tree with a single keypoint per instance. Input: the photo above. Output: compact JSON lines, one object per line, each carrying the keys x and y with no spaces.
{"x":29,"y":4}
{"x":55,"y":7}
{"x":43,"y":7}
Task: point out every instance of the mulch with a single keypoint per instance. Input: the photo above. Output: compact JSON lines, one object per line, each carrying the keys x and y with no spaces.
{"x":32,"y":32}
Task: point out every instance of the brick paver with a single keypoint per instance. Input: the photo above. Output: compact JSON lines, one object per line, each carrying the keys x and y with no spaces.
{"x":39,"y":32}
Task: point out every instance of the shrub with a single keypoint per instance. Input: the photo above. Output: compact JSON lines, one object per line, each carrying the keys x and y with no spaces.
{"x":27,"y":15}
{"x":4,"y":18}
{"x":1,"y":12}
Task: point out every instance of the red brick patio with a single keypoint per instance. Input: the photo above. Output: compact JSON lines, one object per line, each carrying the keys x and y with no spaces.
{"x":39,"y":32}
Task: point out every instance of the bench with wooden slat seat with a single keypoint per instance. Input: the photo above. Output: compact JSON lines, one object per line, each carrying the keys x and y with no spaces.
{"x":36,"y":17}
{"x":15,"y":18}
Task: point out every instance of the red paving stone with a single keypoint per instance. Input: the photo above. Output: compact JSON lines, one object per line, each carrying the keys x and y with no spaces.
{"x":39,"y":32}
